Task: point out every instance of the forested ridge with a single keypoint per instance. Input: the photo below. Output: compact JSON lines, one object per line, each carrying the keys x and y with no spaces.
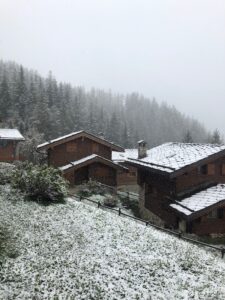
{"x":43,"y":109}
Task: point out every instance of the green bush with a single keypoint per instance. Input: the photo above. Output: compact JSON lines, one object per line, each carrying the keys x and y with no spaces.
{"x":6,"y":171}
{"x":91,"y":188}
{"x":40,"y":183}
{"x":111,"y":201}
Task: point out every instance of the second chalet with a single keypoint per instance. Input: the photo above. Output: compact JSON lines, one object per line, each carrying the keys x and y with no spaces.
{"x":182,"y":185}
{"x":82,"y":156}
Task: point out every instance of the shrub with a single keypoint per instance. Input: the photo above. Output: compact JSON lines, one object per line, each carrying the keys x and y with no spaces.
{"x":40,"y":183}
{"x":91,"y":188}
{"x":6,"y":171}
{"x":110,"y":201}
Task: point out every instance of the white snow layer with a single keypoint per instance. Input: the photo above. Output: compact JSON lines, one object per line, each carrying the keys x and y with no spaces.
{"x":201,"y":200}
{"x":170,"y":157}
{"x":76,"y":251}
{"x":78,"y":162}
{"x":10,"y":134}
{"x":59,"y":139}
{"x":122,"y":156}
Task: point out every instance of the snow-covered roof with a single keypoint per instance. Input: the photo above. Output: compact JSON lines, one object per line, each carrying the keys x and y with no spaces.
{"x":78,"y":162}
{"x":59,"y":139}
{"x":170,"y":157}
{"x":87,"y":159}
{"x":200,"y":200}
{"x":122,"y":156}
{"x":11,"y":134}
{"x":77,"y":134}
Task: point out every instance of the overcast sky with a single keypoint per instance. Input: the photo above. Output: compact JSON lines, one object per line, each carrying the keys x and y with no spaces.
{"x":173,"y":50}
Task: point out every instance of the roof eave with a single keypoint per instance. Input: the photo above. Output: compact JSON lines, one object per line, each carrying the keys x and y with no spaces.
{"x":148,"y":168}
{"x":199,"y":213}
{"x":198,"y":163}
{"x":46,"y":146}
{"x":97,"y":158}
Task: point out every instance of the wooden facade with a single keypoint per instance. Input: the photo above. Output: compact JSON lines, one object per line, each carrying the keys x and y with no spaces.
{"x":158,"y":190}
{"x":127,"y":178}
{"x":82,"y":156}
{"x":75,"y":150}
{"x":92,"y":171}
{"x":9,"y":145}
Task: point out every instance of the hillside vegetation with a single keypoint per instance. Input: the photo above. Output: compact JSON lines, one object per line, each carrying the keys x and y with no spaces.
{"x":76,"y":251}
{"x":43,"y":108}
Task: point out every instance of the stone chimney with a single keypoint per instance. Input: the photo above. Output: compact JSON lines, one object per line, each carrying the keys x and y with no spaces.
{"x":142,"y":149}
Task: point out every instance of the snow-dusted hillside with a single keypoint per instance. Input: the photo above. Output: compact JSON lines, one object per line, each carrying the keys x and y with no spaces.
{"x":76,"y":251}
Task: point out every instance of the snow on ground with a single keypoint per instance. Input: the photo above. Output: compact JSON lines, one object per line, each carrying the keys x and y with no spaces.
{"x":76,"y":251}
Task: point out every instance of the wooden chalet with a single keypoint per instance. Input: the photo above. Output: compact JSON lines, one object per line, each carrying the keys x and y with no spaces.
{"x":82,"y":156}
{"x":182,"y":186}
{"x":128,"y":178}
{"x":9,"y":140}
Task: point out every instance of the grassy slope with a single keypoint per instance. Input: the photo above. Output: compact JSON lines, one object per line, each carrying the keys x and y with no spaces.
{"x":76,"y":251}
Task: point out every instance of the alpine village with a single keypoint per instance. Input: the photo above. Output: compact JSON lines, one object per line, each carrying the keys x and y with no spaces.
{"x":106,"y":172}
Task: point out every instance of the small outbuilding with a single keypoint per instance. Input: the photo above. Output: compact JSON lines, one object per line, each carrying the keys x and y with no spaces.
{"x":9,"y":140}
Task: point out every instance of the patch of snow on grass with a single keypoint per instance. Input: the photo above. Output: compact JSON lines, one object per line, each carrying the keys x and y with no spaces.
{"x":76,"y":251}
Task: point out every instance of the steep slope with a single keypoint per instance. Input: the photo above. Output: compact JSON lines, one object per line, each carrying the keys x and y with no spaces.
{"x":75,"y":251}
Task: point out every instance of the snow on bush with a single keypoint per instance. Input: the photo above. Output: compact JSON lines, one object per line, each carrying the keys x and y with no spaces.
{"x":76,"y":251}
{"x":40,"y":182}
{"x":6,"y":171}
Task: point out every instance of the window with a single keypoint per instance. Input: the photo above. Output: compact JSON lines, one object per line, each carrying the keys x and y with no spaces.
{"x":203,"y":170}
{"x":3,"y":143}
{"x":216,"y":213}
{"x":209,"y":169}
{"x":212,"y":214}
{"x":220,"y":213}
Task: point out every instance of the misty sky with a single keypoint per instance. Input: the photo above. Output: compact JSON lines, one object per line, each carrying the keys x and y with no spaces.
{"x":173,"y":50}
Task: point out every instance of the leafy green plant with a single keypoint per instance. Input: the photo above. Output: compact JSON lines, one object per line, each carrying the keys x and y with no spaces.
{"x":111,"y":201}
{"x":6,"y":171}
{"x":91,"y":188}
{"x":40,"y":183}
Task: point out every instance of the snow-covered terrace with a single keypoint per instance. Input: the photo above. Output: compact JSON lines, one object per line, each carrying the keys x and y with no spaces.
{"x":11,"y":134}
{"x":170,"y":157}
{"x":201,"y":200}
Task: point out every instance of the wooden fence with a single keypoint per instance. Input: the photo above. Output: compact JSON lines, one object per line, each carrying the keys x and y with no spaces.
{"x":147,"y":223}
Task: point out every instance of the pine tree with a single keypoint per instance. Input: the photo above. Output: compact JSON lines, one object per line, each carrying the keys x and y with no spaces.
{"x":5,"y":100}
{"x":21,"y":97}
{"x":188,"y":137}
{"x":216,"y":138}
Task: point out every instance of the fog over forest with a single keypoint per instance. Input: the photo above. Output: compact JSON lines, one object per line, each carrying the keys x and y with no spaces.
{"x":171,"y":50}
{"x":43,"y":109}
